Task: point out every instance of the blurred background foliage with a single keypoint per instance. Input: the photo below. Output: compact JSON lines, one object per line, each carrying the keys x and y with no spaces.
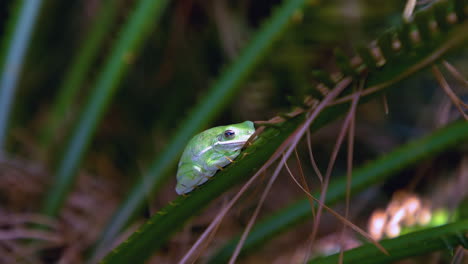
{"x":185,"y":52}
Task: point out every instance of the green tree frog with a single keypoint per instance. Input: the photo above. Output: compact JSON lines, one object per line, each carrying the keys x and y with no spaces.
{"x":208,"y":152}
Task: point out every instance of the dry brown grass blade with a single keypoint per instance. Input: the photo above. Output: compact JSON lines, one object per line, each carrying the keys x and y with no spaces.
{"x":303,"y":179}
{"x":71,"y":254}
{"x":349,"y":164}
{"x":341,"y":218}
{"x":311,"y":201}
{"x":351,"y":131}
{"x":25,"y":218}
{"x":343,"y":131}
{"x":349,"y":161}
{"x":409,"y":9}
{"x":291,"y":143}
{"x":455,"y":73}
{"x":190,"y":256}
{"x":312,"y":159}
{"x":446,"y":87}
{"x":21,"y":233}
{"x":331,"y":164}
{"x":385,"y":104}
{"x":207,"y":242}
{"x":458,"y":256}
{"x":255,"y":134}
{"x":301,"y":171}
{"x":254,"y":216}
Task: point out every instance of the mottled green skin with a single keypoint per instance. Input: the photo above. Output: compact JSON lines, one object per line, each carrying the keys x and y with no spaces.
{"x":208,"y":151}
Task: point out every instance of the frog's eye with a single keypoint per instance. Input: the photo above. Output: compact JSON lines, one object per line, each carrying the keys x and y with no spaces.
{"x":229,"y":133}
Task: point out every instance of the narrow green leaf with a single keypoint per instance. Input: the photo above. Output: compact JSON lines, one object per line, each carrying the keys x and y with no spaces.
{"x":13,"y":49}
{"x":80,"y":68}
{"x":161,"y":226}
{"x":141,"y":21}
{"x":413,"y":244}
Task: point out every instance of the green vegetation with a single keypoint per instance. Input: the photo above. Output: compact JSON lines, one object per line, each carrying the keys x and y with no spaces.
{"x":115,"y":89}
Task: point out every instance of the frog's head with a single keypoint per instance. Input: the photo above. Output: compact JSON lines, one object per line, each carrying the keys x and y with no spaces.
{"x":234,"y":137}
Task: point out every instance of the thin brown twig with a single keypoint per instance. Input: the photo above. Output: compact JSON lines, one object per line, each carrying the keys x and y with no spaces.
{"x":305,"y":188}
{"x":8,"y":219}
{"x":328,"y":174}
{"x":213,"y":226}
{"x":303,"y":179}
{"x":458,"y":256}
{"x":312,"y":159}
{"x":409,"y":9}
{"x":349,"y":164}
{"x":70,"y":254}
{"x":301,"y":171}
{"x":350,"y":152}
{"x":254,"y":216}
{"x":204,"y":245}
{"x":446,"y":88}
{"x":341,"y":218}
{"x":385,"y":104}
{"x":455,"y":73}
{"x":29,"y":234}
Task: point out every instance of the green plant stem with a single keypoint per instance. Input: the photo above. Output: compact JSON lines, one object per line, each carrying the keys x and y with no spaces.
{"x":415,"y":244}
{"x":80,"y":67}
{"x":139,"y":25}
{"x":161,"y":226}
{"x":14,"y":46}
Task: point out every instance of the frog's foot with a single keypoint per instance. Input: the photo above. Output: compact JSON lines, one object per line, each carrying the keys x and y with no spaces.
{"x":228,"y":158}
{"x":219,"y":167}
{"x":194,"y":184}
{"x":244,"y":154}
{"x":203,"y":180}
{"x":184,"y":188}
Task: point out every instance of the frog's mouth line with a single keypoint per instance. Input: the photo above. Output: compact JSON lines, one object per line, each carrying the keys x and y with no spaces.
{"x":232,"y":143}
{"x":226,"y":144}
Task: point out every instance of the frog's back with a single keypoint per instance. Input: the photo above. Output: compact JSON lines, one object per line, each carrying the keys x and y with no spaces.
{"x":200,"y":159}
{"x":196,"y":147}
{"x":191,"y":172}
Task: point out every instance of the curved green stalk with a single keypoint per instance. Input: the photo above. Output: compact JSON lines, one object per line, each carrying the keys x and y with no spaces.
{"x":203,"y":113}
{"x":155,"y":233}
{"x":161,"y":226}
{"x":134,"y":32}
{"x":80,"y":67}
{"x":14,"y":46}
{"x":414,"y":244}
{"x":373,"y":173}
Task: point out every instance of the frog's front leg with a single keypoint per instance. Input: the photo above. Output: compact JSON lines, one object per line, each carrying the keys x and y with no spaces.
{"x":218,"y":160}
